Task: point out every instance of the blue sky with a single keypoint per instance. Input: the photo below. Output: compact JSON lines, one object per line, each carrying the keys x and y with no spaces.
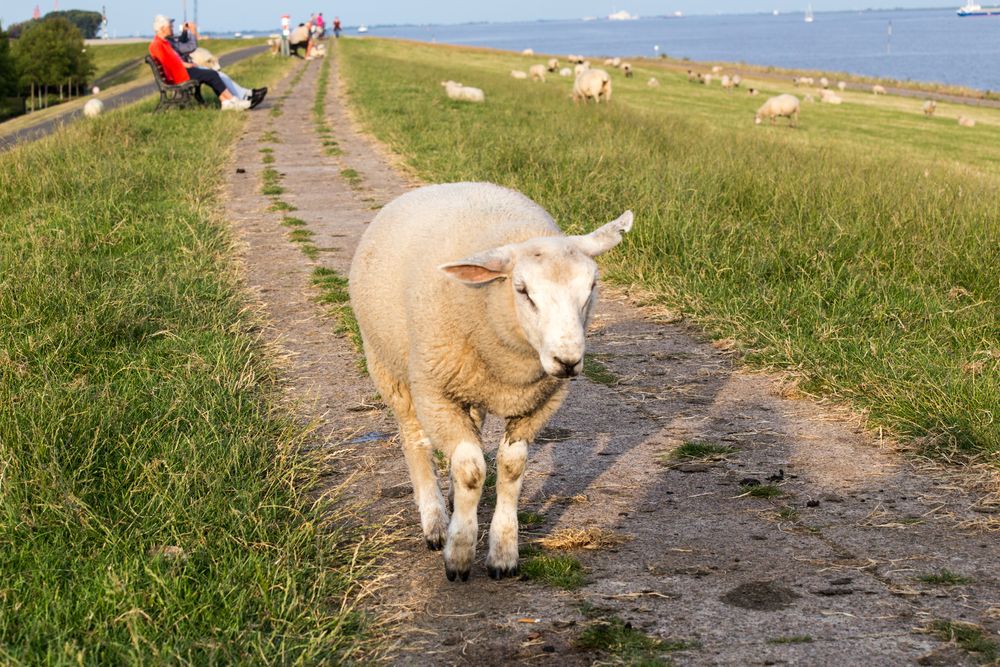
{"x":128,"y":17}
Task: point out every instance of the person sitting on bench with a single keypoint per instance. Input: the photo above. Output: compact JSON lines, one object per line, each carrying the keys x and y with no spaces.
{"x":186,"y":43}
{"x":177,"y":71}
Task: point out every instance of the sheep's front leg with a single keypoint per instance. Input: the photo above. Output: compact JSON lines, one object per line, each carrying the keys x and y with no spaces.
{"x":468,"y":471}
{"x":511,"y":458}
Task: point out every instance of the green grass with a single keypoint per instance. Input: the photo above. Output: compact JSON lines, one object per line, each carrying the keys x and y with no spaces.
{"x":597,"y":372}
{"x":945,"y":577}
{"x":529,"y":519}
{"x":278,"y":205}
{"x":120,"y":63}
{"x":762,"y":491}
{"x":351,"y":176}
{"x":559,"y":571}
{"x":271,"y":179}
{"x":157,"y":505}
{"x":795,"y":639}
{"x":969,"y":637}
{"x":696,"y":451}
{"x":824,"y":250}
{"x":289,"y":221}
{"x":333,"y":292}
{"x":624,"y":644}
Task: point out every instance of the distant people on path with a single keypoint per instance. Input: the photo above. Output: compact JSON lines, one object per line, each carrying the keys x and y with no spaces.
{"x":186,"y":43}
{"x":336,"y":27}
{"x":301,"y":38}
{"x":320,"y":26}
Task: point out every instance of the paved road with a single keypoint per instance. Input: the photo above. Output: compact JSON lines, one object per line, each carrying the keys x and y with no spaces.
{"x":46,"y":127}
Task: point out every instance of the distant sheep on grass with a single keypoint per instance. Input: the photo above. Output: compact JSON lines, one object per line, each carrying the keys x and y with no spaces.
{"x":653,"y":83}
{"x":878,"y":90}
{"x":965,"y":121}
{"x":780,"y":105}
{"x":93,"y":108}
{"x":593,"y":84}
{"x":553,"y":64}
{"x":537,"y":73}
{"x":458,"y":92}
{"x":565,"y":71}
{"x":518,"y":74}
{"x":930,"y":106}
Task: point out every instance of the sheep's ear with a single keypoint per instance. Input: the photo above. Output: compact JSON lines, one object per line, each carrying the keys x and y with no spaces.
{"x":481,"y":268}
{"x":607,"y":237}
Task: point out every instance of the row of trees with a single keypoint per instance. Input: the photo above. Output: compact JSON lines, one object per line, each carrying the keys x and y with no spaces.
{"x":48,"y":57}
{"x":87,"y":22}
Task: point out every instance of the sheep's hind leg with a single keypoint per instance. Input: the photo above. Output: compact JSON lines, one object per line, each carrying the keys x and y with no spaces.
{"x":419,"y":455}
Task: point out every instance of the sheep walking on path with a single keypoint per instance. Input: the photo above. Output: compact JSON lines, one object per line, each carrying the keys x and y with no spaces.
{"x":471,"y":301}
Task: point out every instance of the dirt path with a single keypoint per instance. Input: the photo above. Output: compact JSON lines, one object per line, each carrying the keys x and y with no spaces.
{"x":826,"y":574}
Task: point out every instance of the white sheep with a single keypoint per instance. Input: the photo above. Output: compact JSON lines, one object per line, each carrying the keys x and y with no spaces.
{"x":95,"y":90}
{"x":878,"y":90}
{"x":592,"y":84}
{"x":727,"y":83}
{"x":707,"y":79}
{"x":737,"y":80}
{"x":716,"y":69}
{"x":537,"y":73}
{"x":627,"y":68}
{"x":528,"y":52}
{"x":965,"y":121}
{"x":841,"y":86}
{"x":553,"y":64}
{"x":693,"y":76}
{"x":93,"y":108}
{"x":780,"y":105}
{"x":580,"y":68}
{"x":457,"y":91}
{"x":653,"y":83}
{"x":824,"y":82}
{"x":753,"y":91}
{"x":609,"y":62}
{"x":519,"y":74}
{"x":565,"y":71}
{"x":616,"y":62}
{"x":829,"y":97}
{"x":204,"y":58}
{"x":930,"y":106}
{"x":471,"y":301}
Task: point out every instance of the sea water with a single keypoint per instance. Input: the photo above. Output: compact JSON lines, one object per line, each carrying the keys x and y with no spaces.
{"x":920,"y":45}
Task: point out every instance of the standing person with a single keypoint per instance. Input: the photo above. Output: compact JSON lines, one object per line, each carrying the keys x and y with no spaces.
{"x":336,"y":27}
{"x":186,"y":43}
{"x":285,"y":32}
{"x":320,"y":26}
{"x":177,"y":71}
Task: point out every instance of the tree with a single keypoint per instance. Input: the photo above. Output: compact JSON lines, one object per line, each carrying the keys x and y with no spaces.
{"x":8,"y":72}
{"x":50,"y":54}
{"x":87,"y":22}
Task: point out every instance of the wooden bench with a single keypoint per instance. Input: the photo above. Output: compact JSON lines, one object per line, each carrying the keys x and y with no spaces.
{"x":179,"y":95}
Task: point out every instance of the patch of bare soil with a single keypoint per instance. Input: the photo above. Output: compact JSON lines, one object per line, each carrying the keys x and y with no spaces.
{"x":836,"y":569}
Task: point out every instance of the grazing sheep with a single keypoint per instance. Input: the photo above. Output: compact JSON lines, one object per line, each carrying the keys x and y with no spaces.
{"x":841,"y":86}
{"x":553,"y":64}
{"x":609,"y":62}
{"x":575,"y":60}
{"x":528,"y":52}
{"x":878,"y":90}
{"x":457,"y":91}
{"x":824,"y":82}
{"x":753,"y":91}
{"x":93,"y":108}
{"x":592,"y":84}
{"x":737,"y":80}
{"x":797,"y":81}
{"x":580,"y":68}
{"x":829,"y":97}
{"x":518,"y":74}
{"x":537,"y":73}
{"x":727,"y":83}
{"x":565,"y":71}
{"x":780,"y":105}
{"x":930,"y":106}
{"x":204,"y":58}
{"x":716,"y":69}
{"x":653,"y":83}
{"x":471,"y":301}
{"x":616,"y":62}
{"x":966,"y":122}
{"x":707,"y":79}
{"x":693,"y":76}
{"x":627,"y":68}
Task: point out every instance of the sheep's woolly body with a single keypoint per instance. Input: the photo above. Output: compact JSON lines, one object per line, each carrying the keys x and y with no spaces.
{"x":204,"y":58}
{"x":780,"y":105}
{"x":592,"y":84}
{"x":457,"y":91}
{"x":537,"y":73}
{"x":93,"y":108}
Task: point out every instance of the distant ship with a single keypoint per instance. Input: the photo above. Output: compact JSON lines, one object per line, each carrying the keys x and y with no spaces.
{"x":809,"y":14}
{"x":622,"y":16}
{"x":362,"y":28}
{"x":972,"y":9}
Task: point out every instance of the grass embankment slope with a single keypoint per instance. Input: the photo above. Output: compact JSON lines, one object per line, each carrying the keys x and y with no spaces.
{"x":860,"y":251}
{"x":155,"y":506}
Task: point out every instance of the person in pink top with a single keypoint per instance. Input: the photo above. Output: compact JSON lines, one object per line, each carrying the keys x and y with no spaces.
{"x":320,"y":26}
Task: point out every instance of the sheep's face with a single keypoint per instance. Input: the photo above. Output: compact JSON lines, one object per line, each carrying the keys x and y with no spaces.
{"x":553,"y":287}
{"x":756,"y":119}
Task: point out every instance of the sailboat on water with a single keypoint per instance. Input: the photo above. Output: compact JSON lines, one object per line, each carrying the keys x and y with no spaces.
{"x":809,"y":14}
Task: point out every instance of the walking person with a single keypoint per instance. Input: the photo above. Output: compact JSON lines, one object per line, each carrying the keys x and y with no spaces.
{"x":336,"y":27}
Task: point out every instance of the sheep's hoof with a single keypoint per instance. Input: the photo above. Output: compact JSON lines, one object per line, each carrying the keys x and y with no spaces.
{"x":435,"y":544}
{"x":501,"y":572}
{"x":451,"y":574}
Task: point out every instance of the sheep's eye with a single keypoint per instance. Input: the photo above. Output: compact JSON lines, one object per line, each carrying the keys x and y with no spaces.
{"x":524,"y":291}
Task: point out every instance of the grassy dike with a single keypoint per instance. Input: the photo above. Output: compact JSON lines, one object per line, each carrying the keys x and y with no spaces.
{"x":156,"y":505}
{"x":859,"y":251}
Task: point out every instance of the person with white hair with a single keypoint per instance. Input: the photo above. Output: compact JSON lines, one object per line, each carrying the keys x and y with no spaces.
{"x":176,"y":71}
{"x":187,"y":42}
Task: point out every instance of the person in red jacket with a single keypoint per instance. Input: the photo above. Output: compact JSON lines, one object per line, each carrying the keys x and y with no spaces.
{"x":177,"y":71}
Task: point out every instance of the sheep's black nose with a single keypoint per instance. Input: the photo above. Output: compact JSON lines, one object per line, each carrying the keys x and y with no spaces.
{"x":568,"y":367}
